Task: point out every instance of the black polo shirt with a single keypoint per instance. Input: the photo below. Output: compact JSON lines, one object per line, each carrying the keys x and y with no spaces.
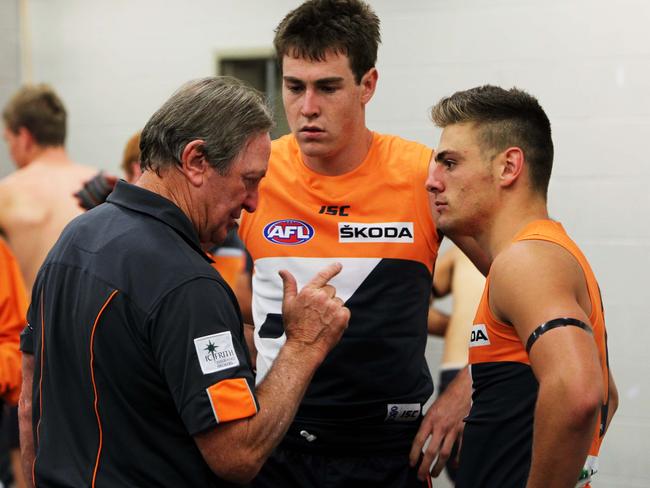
{"x":138,"y":346}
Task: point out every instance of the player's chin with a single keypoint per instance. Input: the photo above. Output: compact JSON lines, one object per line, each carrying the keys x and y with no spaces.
{"x":312,"y":147}
{"x":444,"y":224}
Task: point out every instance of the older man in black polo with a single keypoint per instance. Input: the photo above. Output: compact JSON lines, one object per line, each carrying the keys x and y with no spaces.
{"x":136,"y":371}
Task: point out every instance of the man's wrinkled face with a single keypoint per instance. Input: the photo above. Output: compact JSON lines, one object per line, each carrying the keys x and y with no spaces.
{"x":227,"y":195}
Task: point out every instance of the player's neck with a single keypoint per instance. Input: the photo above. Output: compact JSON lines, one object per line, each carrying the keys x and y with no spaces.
{"x":344,"y":161}
{"x":511,"y":220}
{"x":50,"y":156}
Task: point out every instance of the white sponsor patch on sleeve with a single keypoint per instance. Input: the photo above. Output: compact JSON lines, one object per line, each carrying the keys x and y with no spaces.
{"x":402,"y":412}
{"x":479,"y":336}
{"x":216,"y":352}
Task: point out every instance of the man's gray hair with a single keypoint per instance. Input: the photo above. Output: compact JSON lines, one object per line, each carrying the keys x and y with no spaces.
{"x":222,"y":111}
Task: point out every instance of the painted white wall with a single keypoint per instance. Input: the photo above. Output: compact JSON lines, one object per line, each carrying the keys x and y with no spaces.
{"x":588,"y":61}
{"x":9,"y":67}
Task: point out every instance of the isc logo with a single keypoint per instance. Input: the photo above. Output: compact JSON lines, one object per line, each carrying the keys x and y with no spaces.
{"x":288,"y":232}
{"x":402,"y":412}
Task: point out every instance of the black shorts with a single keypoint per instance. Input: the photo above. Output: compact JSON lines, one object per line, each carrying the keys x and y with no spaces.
{"x":293,"y":469}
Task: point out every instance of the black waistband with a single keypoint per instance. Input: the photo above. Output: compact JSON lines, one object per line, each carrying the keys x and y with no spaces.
{"x":350,"y":438}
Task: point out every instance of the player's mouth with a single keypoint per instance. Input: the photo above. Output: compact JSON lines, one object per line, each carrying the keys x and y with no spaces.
{"x":440,"y":206}
{"x":311,"y":131}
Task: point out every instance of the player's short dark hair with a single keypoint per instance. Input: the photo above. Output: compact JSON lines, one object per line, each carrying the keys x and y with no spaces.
{"x":504,"y":118}
{"x":348,"y":27}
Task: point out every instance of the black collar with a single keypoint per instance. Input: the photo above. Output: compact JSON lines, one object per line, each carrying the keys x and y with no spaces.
{"x":160,"y":208}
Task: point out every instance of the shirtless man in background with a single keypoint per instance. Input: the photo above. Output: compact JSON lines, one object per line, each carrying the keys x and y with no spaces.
{"x":37,"y":200}
{"x":456,"y":274}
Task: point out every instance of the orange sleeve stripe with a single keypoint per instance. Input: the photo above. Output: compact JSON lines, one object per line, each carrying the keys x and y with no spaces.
{"x":232,"y":399}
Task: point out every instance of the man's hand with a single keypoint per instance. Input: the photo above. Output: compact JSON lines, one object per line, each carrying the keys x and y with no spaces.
{"x":314,"y":321}
{"x":442,"y":425}
{"x":315,"y":317}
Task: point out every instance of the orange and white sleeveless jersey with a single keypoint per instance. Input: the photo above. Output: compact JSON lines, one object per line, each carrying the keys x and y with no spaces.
{"x":376,"y":221}
{"x":497,"y":442}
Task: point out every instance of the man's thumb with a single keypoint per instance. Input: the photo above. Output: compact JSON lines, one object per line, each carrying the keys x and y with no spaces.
{"x":289,"y":285}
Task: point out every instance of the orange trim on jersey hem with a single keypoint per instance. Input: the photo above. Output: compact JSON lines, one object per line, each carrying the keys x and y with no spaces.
{"x":92,"y":378}
{"x":231,"y":399}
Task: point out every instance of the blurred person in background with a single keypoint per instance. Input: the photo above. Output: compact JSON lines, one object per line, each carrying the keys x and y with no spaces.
{"x":37,"y":200}
{"x":131,"y":158}
{"x":454,"y":275}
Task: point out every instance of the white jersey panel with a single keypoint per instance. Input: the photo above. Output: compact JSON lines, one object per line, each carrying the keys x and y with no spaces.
{"x":267,"y":293}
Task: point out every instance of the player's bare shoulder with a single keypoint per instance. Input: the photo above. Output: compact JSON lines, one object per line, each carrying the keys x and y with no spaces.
{"x":54,"y":180}
{"x":9,"y":198}
{"x":41,"y":196}
{"x":528,"y":273}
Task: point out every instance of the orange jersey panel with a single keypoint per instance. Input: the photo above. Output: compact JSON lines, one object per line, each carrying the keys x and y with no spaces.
{"x":13,"y":317}
{"x":230,"y":265}
{"x":328,"y":211}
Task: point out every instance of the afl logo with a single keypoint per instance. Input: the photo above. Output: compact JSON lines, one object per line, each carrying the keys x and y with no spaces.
{"x":288,"y":232}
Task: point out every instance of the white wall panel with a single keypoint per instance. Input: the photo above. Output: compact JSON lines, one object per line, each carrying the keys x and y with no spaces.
{"x":9,"y":67}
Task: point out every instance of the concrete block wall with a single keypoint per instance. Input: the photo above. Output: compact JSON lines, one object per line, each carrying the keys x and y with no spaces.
{"x":116,"y":61}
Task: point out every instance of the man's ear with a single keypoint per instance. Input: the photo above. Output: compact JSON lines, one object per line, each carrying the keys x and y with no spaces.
{"x":193,"y":162}
{"x":26,"y":139}
{"x":368,"y":85}
{"x":512,"y":166}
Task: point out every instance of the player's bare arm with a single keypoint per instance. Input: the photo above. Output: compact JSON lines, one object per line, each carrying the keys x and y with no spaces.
{"x":532,"y":283}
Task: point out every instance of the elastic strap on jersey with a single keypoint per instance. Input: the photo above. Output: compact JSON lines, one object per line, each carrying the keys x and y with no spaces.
{"x":552,"y":324}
